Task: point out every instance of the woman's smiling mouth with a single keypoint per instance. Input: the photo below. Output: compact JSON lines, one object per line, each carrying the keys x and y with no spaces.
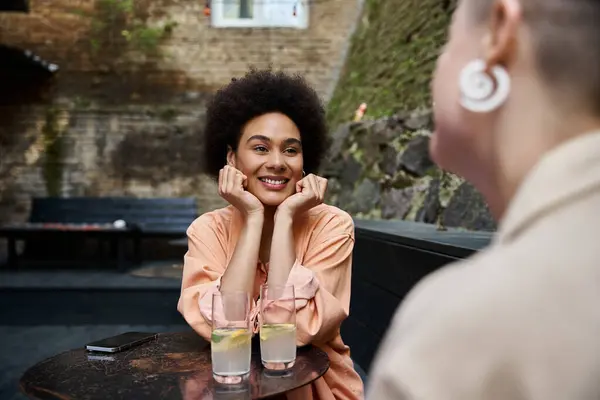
{"x":274,"y":182}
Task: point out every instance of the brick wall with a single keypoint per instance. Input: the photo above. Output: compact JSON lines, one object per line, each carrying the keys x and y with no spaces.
{"x":196,"y":56}
{"x":124,"y":122}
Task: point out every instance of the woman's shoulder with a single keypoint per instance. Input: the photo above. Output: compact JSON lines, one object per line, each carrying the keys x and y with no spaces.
{"x":325,"y":210}
{"x":217,"y":220}
{"x":327,"y":218}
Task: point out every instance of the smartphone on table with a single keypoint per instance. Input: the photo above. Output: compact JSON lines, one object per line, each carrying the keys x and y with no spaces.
{"x":121,"y":342}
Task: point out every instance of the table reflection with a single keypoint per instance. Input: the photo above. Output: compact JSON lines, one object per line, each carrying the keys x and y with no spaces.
{"x":203,"y":387}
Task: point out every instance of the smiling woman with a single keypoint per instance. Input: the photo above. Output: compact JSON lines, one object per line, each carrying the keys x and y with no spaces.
{"x":262,"y":133}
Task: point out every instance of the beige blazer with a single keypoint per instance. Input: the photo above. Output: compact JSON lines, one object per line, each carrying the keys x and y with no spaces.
{"x":521,"y":319}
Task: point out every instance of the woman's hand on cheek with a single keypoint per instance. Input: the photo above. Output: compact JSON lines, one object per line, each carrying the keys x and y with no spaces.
{"x":310,"y":192}
{"x":232,"y":188}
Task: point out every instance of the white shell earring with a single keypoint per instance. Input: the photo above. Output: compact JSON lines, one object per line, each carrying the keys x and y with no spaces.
{"x":480,"y":91}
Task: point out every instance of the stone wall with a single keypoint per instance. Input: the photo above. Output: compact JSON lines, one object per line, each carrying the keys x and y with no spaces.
{"x":392,"y":57}
{"x":381,"y":169}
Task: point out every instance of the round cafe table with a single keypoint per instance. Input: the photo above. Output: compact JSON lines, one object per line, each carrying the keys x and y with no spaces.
{"x":174,"y":366}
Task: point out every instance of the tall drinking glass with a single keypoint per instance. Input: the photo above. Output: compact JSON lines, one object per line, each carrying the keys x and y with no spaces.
{"x":277,"y":327}
{"x":230,"y":343}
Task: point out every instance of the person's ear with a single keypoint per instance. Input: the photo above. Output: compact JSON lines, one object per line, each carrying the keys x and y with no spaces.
{"x":500,"y":44}
{"x":231,"y":157}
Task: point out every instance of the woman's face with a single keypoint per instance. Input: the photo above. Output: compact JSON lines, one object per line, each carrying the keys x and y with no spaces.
{"x":269,"y":153}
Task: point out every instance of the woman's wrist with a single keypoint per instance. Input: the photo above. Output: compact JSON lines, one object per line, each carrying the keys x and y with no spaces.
{"x":284,"y":214}
{"x":254,"y":220}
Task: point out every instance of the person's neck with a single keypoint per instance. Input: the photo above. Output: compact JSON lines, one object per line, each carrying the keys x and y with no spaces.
{"x":522,"y":145}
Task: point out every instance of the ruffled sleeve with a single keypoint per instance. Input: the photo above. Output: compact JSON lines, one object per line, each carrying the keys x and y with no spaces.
{"x":204,"y":264}
{"x":321,"y":279}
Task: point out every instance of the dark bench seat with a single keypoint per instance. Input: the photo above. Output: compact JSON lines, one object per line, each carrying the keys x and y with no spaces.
{"x":389,"y":259}
{"x":95,"y":217}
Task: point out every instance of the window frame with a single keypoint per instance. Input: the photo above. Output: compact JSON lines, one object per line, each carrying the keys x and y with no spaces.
{"x":259,"y":20}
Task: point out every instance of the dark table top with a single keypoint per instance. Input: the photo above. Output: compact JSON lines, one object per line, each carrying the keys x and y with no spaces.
{"x":52,"y":226}
{"x":174,"y":366}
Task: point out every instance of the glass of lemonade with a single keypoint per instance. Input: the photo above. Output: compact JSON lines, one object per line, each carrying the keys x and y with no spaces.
{"x":231,"y":337}
{"x":277,"y":327}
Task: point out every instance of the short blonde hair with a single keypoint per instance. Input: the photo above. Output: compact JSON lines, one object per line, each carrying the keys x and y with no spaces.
{"x":567,"y":43}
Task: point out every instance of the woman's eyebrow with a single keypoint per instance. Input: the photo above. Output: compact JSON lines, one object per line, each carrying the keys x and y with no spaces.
{"x":286,"y":142}
{"x":258,"y":137}
{"x":292,"y":141}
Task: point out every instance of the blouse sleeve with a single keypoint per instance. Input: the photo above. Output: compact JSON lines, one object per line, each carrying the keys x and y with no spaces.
{"x":204,"y":264}
{"x":322,"y":281}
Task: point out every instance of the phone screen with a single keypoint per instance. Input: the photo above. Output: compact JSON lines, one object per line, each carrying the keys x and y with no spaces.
{"x":121,"y":341}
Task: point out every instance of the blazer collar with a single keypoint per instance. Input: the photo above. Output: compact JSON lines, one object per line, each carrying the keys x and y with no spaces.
{"x":568,"y":172}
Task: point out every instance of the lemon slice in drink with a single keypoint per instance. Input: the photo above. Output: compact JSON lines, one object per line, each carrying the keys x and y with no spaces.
{"x":227,"y":339}
{"x":269,"y":331}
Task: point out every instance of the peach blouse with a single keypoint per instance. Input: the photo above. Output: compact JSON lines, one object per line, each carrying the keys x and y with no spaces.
{"x":324,"y":240}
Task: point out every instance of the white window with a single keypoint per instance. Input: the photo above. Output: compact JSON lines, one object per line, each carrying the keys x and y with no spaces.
{"x":260,"y":13}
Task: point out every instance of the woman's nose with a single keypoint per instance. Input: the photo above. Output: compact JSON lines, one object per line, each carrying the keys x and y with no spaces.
{"x":276,"y":161}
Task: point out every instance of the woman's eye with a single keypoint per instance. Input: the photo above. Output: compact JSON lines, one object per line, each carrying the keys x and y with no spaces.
{"x":260,"y":148}
{"x":291,"y":150}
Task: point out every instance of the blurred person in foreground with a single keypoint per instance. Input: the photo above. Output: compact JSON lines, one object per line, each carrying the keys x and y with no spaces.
{"x":264,"y":139}
{"x":517,"y":113}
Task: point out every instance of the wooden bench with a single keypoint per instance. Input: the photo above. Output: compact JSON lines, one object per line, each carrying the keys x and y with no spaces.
{"x":389,"y":259}
{"x":95,"y":217}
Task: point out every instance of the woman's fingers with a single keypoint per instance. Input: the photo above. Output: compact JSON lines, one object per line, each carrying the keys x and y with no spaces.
{"x":221,"y":181}
{"x":318,"y":189}
{"x":322,"y":187}
{"x":317,"y":185}
{"x":299,"y":185}
{"x":231,"y":179}
{"x":312,"y":186}
{"x":239,"y":181}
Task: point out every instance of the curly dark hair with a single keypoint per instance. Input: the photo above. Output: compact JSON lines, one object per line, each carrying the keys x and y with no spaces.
{"x":257,"y":93}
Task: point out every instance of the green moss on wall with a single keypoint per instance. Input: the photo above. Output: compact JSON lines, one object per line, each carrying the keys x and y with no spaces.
{"x":121,"y":24}
{"x":391,"y":58}
{"x":118,"y":26}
